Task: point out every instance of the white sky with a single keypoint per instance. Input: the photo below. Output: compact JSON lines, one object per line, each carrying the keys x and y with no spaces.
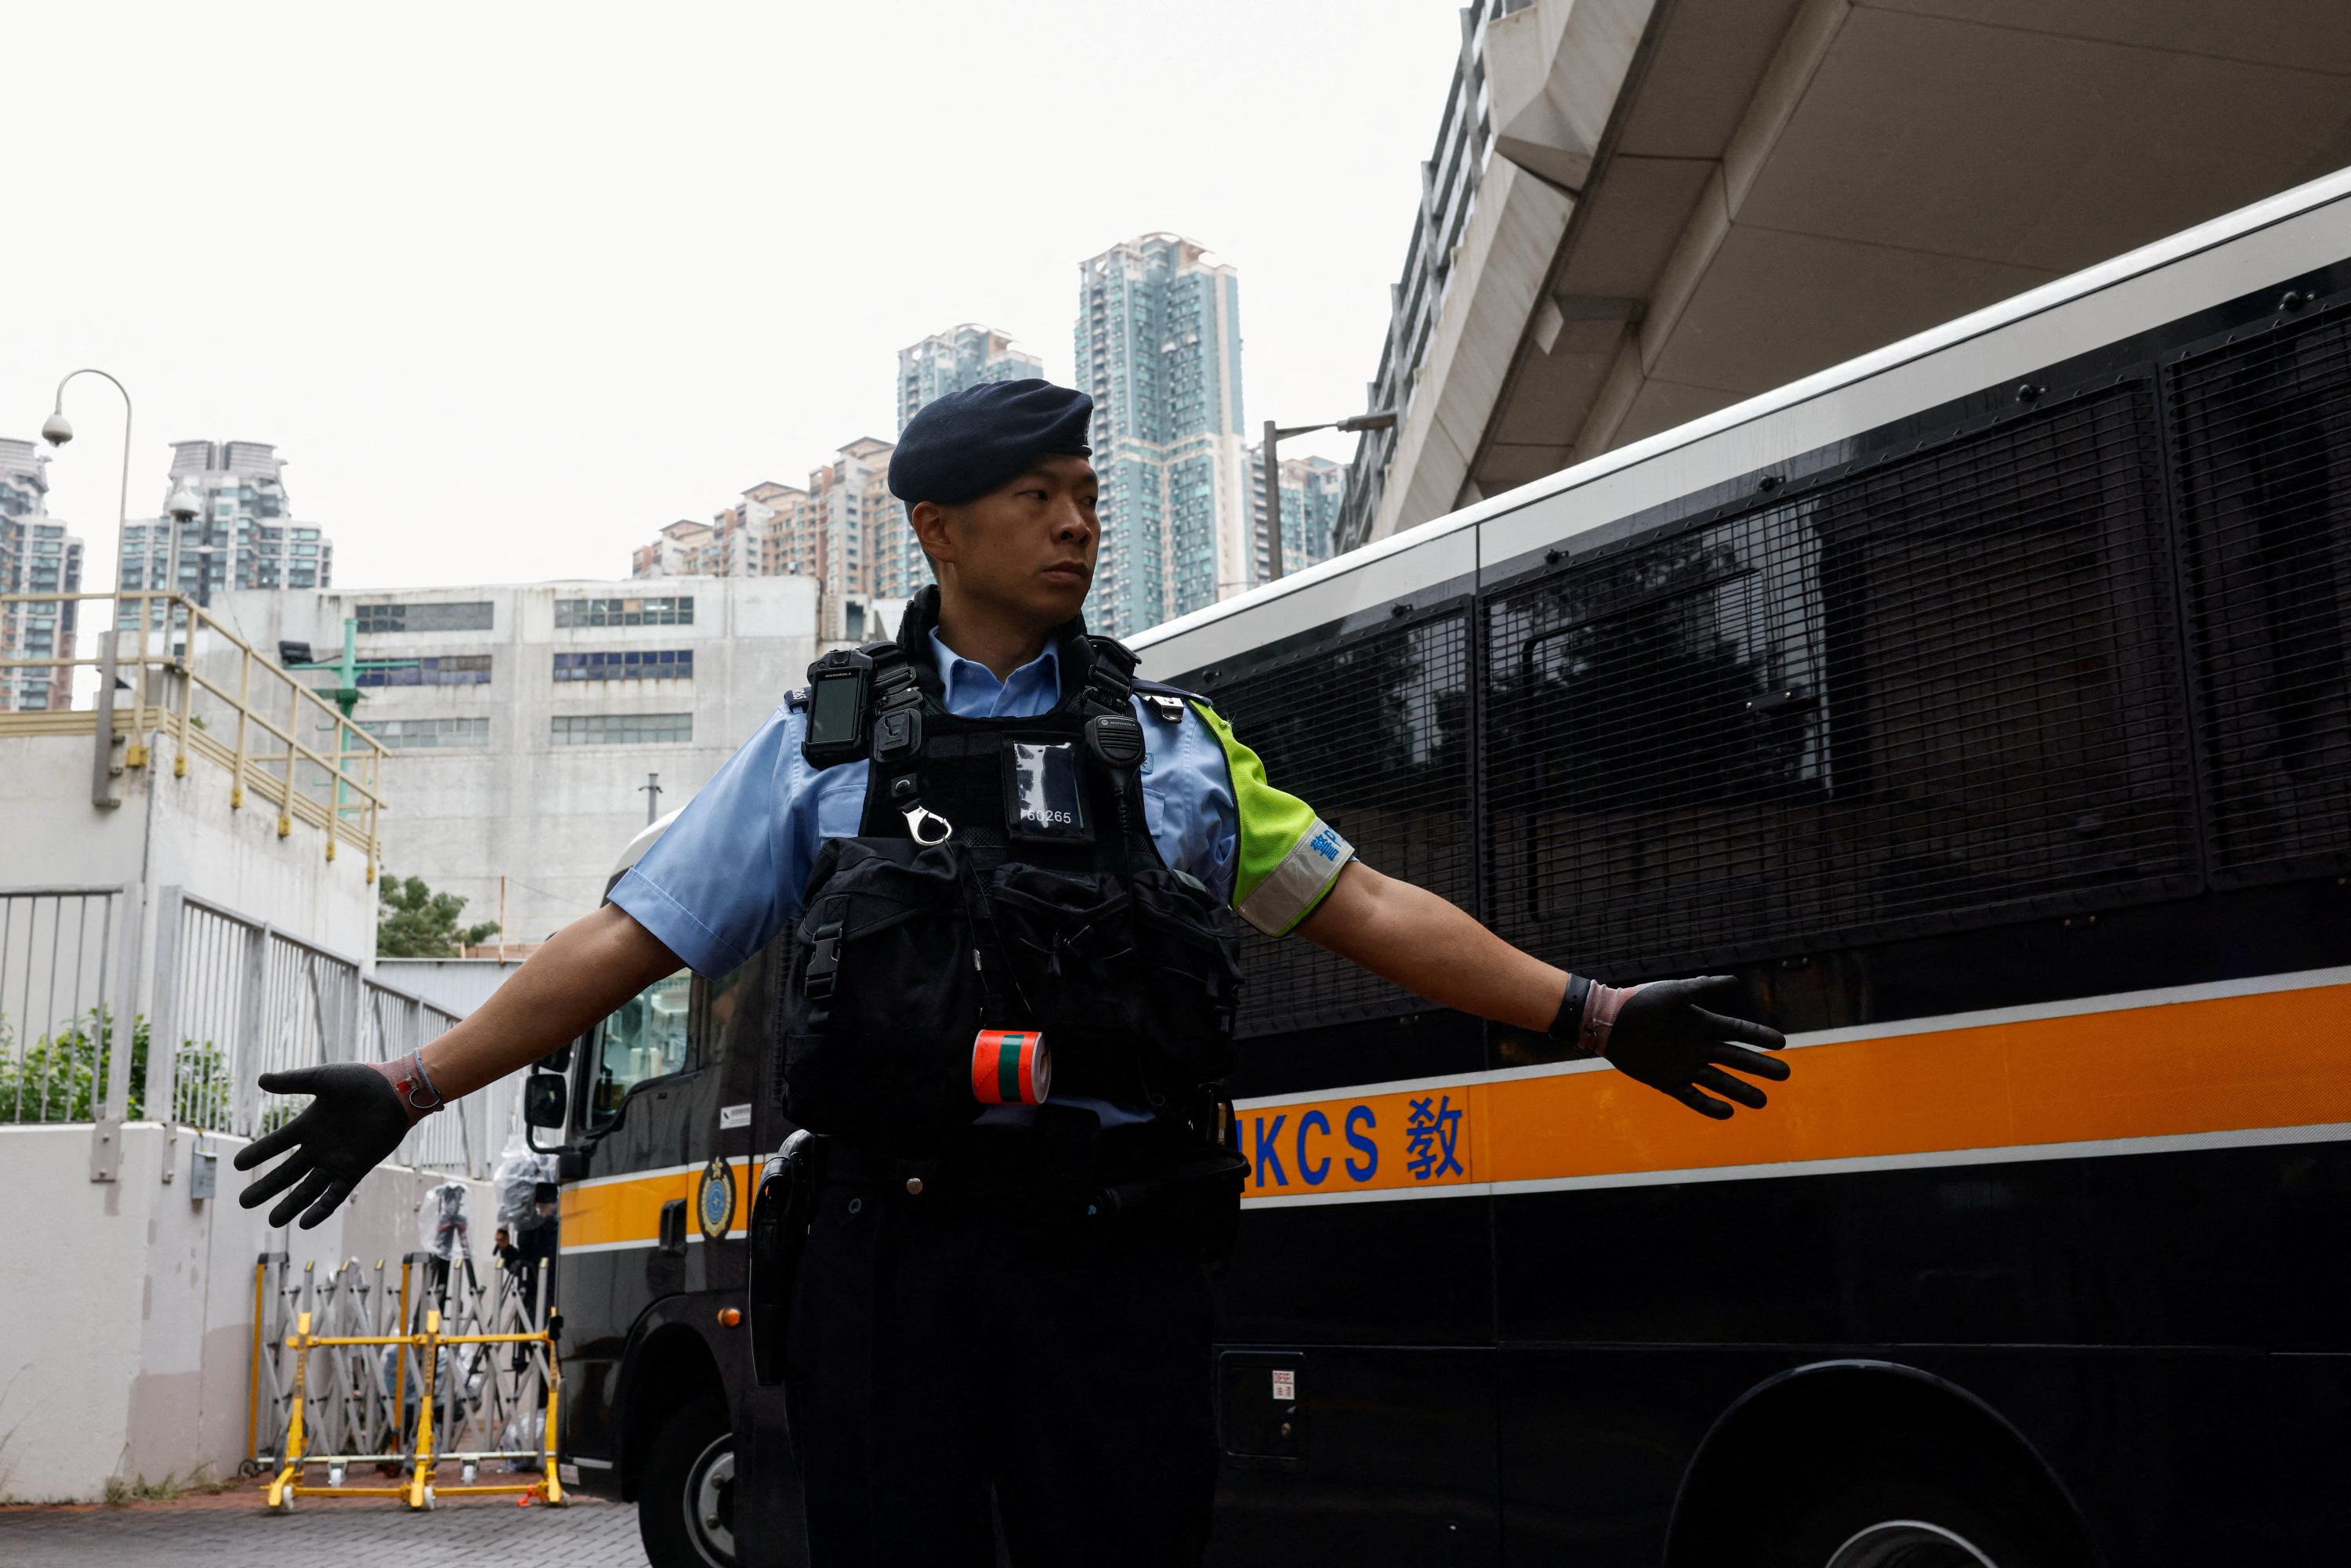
{"x":512,"y":286}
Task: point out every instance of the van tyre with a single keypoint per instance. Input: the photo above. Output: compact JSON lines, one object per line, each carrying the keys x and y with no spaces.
{"x":1912,"y":1500}
{"x":685,"y":1510}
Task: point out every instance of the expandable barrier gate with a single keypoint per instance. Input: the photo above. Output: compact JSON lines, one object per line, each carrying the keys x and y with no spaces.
{"x":403,"y":1373}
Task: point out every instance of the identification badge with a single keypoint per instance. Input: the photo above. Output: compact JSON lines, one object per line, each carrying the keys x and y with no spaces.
{"x":1045,"y":792}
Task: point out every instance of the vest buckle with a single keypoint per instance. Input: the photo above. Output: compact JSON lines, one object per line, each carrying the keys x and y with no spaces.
{"x":925,"y":826}
{"x":825,"y":961}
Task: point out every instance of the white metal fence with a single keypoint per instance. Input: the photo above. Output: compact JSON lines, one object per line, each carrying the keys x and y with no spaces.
{"x":59,"y":965}
{"x":236,"y":997}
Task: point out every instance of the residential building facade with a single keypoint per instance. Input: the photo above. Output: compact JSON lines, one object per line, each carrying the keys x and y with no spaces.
{"x":1158,"y":348}
{"x":756,"y":537}
{"x":1313,"y":493}
{"x":967,"y":356}
{"x":852,"y":521}
{"x":845,"y":532}
{"x":245,"y":535}
{"x":36,"y":556}
{"x":525,"y":721}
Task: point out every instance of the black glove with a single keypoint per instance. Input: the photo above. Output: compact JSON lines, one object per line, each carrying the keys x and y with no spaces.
{"x":1662,"y":1036}
{"x":355,"y":1119}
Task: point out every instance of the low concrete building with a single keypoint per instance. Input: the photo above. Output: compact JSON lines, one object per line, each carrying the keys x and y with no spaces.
{"x":525,"y":722}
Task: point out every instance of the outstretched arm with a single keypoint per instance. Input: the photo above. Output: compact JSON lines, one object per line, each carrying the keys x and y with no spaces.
{"x":591,"y":966}
{"x":1407,"y":935}
{"x":1656,"y":1033}
{"x":359,"y":1112}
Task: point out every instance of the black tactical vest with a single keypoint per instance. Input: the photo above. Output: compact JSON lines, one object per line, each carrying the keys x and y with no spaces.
{"x":1003,"y":877}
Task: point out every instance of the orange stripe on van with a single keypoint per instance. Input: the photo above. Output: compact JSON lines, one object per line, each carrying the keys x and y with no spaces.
{"x":2272,"y":1059}
{"x":621,"y":1211}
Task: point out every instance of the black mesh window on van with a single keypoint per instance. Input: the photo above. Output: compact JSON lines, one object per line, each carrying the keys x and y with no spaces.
{"x":1940,"y":690}
{"x":2262,"y":431}
{"x":1374,"y":735}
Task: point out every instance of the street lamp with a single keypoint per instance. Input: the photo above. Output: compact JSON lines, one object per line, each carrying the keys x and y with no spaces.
{"x":1382,"y":420}
{"x":183,"y":508}
{"x":57,"y":430}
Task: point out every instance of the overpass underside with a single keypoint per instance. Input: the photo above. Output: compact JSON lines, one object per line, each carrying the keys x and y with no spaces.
{"x":1692,"y":202}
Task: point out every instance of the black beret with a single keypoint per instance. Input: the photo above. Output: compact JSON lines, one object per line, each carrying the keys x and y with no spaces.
{"x":969,"y":441}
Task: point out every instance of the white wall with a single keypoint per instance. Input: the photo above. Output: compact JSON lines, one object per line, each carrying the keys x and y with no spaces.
{"x":52,"y":834}
{"x":459,"y":984}
{"x":173,"y":831}
{"x":126,"y":1307}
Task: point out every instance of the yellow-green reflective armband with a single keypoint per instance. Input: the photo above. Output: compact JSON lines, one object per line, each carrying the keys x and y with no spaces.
{"x":1289,"y":856}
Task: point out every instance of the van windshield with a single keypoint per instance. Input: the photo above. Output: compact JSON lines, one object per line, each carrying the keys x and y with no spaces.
{"x":646,"y":1037}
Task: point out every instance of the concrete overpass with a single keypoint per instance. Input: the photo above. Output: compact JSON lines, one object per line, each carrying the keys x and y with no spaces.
{"x":1667,"y":205}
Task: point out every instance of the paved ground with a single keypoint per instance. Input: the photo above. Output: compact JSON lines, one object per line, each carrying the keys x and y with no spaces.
{"x":234,"y":1531}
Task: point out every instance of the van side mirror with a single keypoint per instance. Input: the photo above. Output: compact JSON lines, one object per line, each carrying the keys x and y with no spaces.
{"x":545,"y":1101}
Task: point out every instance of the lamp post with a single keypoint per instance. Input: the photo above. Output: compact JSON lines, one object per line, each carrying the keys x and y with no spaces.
{"x":57,"y":430}
{"x":1381,"y":420}
{"x":183,"y":506}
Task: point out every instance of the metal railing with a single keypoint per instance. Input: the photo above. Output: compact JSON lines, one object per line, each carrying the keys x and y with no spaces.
{"x":236,"y":997}
{"x":1450,"y":180}
{"x":60,"y":963}
{"x":201,"y":691}
{"x":466,"y":1137}
{"x":243,"y":998}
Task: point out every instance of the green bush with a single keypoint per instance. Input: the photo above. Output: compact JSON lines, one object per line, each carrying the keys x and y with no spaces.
{"x":56,"y":1078}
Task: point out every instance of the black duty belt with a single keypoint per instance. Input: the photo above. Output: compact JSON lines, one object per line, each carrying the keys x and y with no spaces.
{"x":1041,"y":1168}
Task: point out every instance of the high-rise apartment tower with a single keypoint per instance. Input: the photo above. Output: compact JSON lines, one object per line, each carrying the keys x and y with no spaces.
{"x":1313,"y":489}
{"x":1159,"y":350}
{"x":36,"y":556}
{"x":967,"y":356}
{"x":244,"y":536}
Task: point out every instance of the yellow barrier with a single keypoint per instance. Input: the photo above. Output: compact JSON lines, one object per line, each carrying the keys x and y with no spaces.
{"x":418,"y":1491}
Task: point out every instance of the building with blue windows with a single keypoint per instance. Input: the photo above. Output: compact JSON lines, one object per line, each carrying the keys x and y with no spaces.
{"x":967,"y":356}
{"x":1158,"y":344}
{"x":245,"y":536}
{"x":1313,"y":489}
{"x":36,"y":556}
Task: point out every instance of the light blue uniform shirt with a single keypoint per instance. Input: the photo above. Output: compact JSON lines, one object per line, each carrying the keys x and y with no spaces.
{"x":730,"y":873}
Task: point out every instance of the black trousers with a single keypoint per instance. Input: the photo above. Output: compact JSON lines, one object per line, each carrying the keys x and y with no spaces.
{"x":944,"y":1348}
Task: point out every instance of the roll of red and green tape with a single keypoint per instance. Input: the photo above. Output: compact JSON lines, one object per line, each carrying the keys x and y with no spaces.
{"x":1011,"y":1067}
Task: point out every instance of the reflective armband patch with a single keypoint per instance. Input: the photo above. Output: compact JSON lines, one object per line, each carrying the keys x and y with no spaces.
{"x":1291,"y":888}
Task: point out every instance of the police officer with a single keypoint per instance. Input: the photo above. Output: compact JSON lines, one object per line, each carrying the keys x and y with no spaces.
{"x":1000,"y":1296}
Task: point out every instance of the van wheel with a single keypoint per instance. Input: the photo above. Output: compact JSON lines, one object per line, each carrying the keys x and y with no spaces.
{"x":1915,"y":1501}
{"x":685,"y":1512}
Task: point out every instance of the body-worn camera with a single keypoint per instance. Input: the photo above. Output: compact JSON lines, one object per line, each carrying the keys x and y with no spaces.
{"x":839,"y":695}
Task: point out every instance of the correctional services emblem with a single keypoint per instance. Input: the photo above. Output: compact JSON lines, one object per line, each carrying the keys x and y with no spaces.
{"x":714,"y":1201}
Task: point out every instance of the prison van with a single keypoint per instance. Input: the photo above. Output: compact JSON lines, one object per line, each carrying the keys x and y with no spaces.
{"x":1982,"y":704}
